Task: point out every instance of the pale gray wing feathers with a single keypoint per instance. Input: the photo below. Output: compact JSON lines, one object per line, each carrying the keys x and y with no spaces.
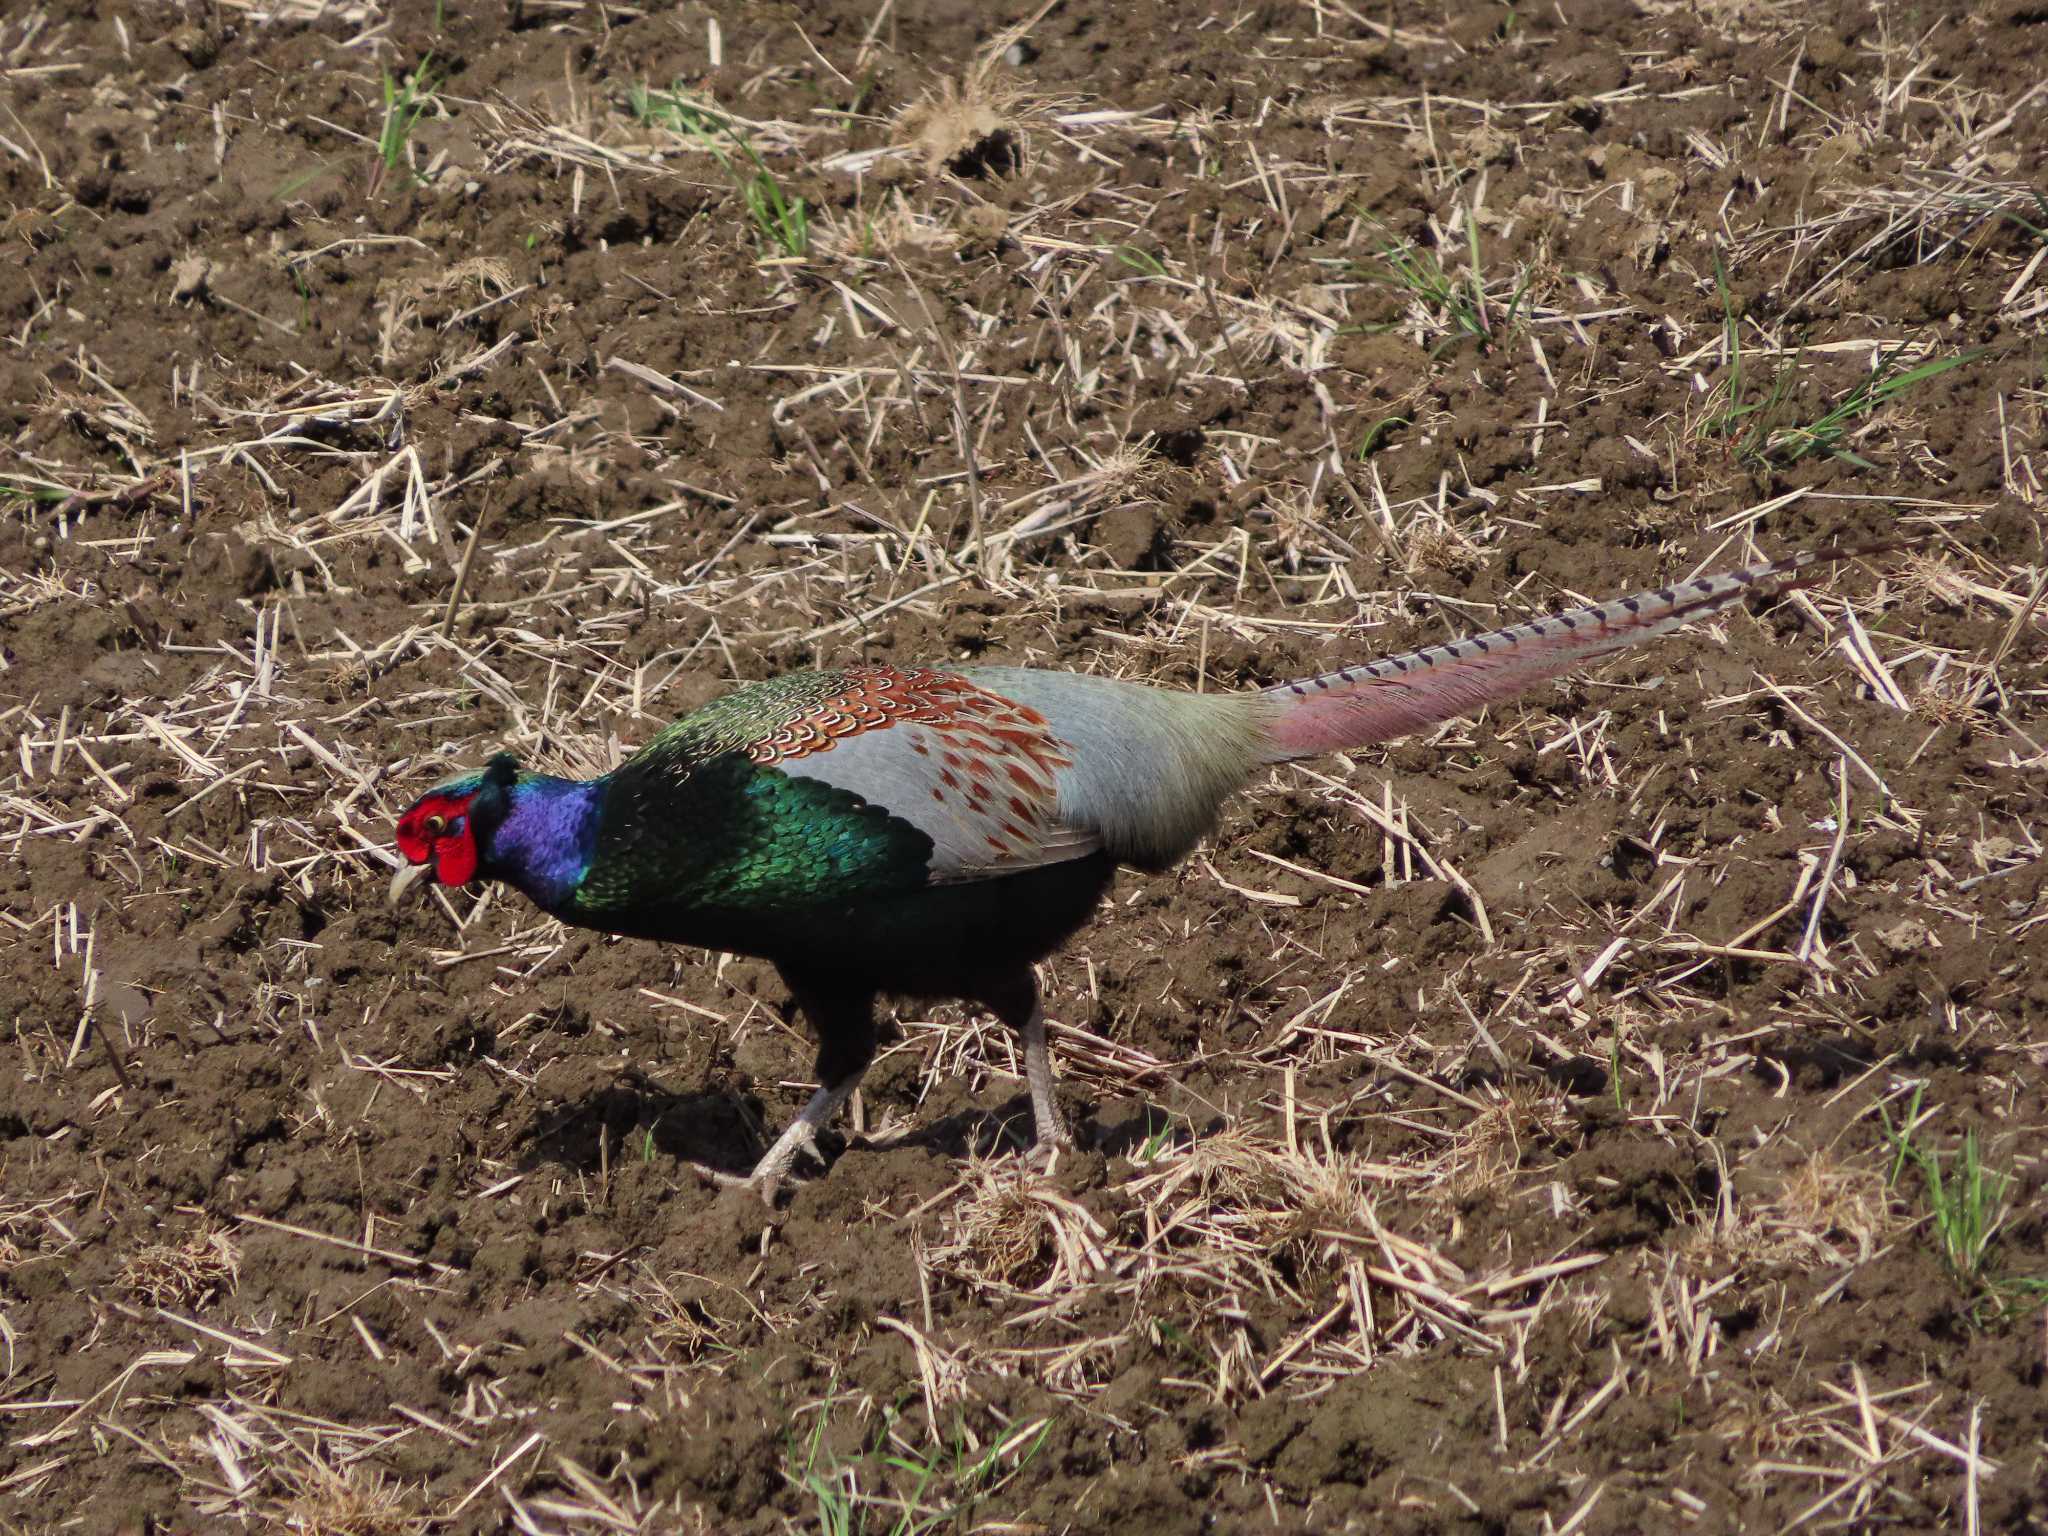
{"x":988,"y":809}
{"x":1148,"y":769}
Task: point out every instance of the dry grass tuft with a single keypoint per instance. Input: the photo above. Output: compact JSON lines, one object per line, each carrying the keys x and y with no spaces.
{"x":968,"y":123}
{"x":348,"y":1501}
{"x":1015,"y":1229}
{"x":190,"y":1272}
{"x":1931,"y":579}
{"x":484,"y":279}
{"x":1827,"y":1203}
{"x":899,"y":228}
{"x":1824,"y":1213}
{"x":1485,"y":1155}
{"x":1435,"y":546}
{"x":1237,"y":1196}
{"x":1945,"y":701}
{"x":699,"y":1321}
{"x":975,"y":123}
{"x":34,"y":1231}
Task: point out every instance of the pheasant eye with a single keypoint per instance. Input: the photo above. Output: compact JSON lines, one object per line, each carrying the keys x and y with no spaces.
{"x":436,"y":825}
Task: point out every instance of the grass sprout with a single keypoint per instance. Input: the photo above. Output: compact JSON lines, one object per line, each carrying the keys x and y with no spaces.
{"x":1831,"y":432}
{"x":405,"y":103}
{"x":1966,"y":1202}
{"x":782,"y":221}
{"x":1377,"y":435}
{"x":1455,"y":304}
{"x":1755,"y":426}
{"x":30,"y":492}
{"x":908,"y":1490}
{"x":1138,"y":259}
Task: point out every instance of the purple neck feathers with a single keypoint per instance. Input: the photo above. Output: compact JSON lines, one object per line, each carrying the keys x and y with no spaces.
{"x":545,"y":843}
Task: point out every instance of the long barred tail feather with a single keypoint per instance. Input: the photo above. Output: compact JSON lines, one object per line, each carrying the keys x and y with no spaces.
{"x":1377,"y":701}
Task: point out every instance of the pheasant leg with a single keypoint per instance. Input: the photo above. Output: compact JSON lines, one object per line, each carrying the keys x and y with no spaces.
{"x":802,"y":1134}
{"x":845,"y":1026}
{"x":1049,"y":1122}
{"x":1015,"y":1001}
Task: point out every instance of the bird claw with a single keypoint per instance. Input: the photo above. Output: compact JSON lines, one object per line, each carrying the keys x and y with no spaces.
{"x":765,"y":1186}
{"x":766,"y":1179}
{"x":1049,"y":1142}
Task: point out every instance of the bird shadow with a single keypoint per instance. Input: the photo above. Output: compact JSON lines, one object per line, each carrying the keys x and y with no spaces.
{"x":725,"y":1131}
{"x":1819,"y":1059}
{"x":1138,"y":1131}
{"x":635,"y":1116}
{"x":977,"y":1131}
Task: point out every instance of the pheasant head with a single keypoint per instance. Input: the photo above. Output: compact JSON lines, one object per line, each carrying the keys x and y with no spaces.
{"x":447,"y":830}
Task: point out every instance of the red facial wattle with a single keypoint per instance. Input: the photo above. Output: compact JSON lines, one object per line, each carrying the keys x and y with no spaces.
{"x":455,"y":855}
{"x":437,"y":830}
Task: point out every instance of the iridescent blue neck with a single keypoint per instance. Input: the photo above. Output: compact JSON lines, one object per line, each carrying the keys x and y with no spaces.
{"x":546,"y":840}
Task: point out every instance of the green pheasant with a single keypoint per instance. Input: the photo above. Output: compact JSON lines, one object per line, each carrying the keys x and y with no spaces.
{"x":935,"y":832}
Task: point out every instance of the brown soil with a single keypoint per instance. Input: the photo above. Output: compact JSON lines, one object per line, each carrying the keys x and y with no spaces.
{"x":1593,"y":1225}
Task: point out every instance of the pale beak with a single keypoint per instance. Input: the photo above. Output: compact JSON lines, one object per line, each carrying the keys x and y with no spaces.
{"x":407,"y":877}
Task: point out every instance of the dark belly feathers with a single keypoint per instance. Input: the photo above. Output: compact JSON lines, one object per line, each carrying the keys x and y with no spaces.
{"x":936,"y":940}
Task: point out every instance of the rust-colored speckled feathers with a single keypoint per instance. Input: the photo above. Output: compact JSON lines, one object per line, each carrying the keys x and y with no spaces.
{"x":985,"y":759}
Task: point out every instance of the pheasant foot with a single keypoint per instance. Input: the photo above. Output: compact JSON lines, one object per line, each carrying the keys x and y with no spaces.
{"x":800,"y":1136}
{"x":718,"y":1178}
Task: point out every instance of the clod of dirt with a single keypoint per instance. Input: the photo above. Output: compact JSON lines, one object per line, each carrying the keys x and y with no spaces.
{"x":190,"y":277}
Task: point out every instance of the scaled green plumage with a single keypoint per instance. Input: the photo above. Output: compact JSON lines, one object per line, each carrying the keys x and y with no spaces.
{"x":694,"y":826}
{"x":736,"y":721}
